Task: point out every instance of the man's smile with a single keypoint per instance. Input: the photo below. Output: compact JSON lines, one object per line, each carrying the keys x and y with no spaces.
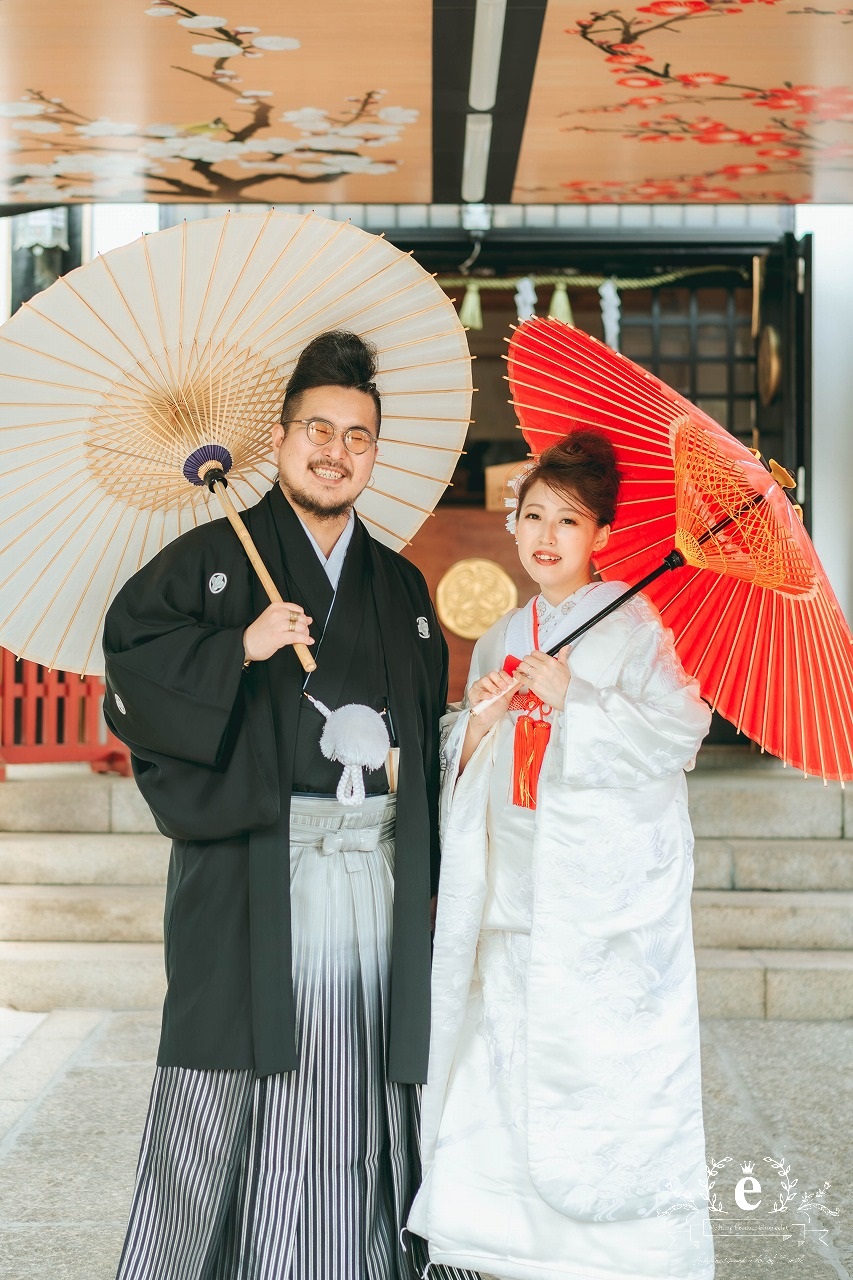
{"x":330,"y":472}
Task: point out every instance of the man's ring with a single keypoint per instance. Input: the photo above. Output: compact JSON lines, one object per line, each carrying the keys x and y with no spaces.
{"x":294,"y":618}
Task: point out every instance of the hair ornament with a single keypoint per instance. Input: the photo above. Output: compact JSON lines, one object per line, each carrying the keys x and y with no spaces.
{"x":514,"y":483}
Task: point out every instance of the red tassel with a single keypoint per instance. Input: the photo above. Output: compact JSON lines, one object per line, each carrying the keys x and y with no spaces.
{"x":530,"y":742}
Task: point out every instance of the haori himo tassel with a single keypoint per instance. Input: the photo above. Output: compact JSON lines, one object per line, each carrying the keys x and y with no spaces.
{"x":356,"y":737}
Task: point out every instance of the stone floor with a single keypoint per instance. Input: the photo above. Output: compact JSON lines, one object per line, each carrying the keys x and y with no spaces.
{"x":73,"y":1092}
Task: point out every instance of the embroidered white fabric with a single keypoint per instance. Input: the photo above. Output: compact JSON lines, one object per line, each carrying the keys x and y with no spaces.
{"x":562,"y":1120}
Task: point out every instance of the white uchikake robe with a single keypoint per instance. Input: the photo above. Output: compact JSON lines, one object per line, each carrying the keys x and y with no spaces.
{"x":562,"y":1127}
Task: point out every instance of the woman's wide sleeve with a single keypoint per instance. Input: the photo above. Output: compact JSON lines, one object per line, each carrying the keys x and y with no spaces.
{"x":172,"y":678}
{"x":636,"y":715}
{"x":455,"y":723}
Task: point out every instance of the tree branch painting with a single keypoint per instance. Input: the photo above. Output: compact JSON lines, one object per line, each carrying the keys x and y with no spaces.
{"x":248,"y":146}
{"x":776,"y":134}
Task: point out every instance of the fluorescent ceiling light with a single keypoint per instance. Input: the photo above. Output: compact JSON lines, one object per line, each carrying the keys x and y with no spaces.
{"x":475,"y":161}
{"x":486,"y":55}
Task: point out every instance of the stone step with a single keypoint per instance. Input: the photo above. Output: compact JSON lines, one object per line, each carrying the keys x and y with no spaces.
{"x":773,"y":864}
{"x":737,"y":756}
{"x":42,"y":857}
{"x":809,"y":986}
{"x":119,"y":858}
{"x":724,"y":804}
{"x":737,"y":918}
{"x":81,"y":913}
{"x":728,"y":918}
{"x":757,"y":804}
{"x":73,"y":803}
{"x":40,"y":976}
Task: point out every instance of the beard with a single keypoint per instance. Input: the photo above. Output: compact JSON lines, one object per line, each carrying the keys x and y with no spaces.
{"x":334,"y":509}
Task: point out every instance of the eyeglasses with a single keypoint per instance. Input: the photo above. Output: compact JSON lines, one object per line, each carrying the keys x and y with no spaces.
{"x":319,"y":431}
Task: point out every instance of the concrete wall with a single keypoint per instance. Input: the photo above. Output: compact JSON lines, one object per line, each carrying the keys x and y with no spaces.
{"x":832,"y":379}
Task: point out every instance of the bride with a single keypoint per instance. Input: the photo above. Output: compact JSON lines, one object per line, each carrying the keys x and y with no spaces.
{"x":562,"y":1122}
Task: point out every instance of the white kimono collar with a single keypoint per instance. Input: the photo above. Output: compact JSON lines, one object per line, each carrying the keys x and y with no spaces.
{"x":556,"y":621}
{"x":334,"y":563}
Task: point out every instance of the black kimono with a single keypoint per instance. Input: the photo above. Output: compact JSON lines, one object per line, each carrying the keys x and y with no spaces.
{"x":216,"y":748}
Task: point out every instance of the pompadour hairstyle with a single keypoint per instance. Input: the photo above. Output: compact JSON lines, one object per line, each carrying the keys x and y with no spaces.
{"x":333,"y":359}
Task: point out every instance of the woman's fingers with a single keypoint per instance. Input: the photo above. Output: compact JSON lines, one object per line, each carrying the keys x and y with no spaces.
{"x":495,"y":682}
{"x":545,"y":676}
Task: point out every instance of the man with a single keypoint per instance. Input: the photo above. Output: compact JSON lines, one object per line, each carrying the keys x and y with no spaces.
{"x":281,"y":1139}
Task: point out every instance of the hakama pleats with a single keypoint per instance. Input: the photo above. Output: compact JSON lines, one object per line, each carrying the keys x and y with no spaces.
{"x":307,"y":1175}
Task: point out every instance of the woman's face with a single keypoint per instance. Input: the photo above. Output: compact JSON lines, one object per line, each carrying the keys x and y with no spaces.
{"x":557,"y":538}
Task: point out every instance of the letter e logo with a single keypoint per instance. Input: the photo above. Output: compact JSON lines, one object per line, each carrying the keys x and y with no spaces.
{"x":747,"y":1185}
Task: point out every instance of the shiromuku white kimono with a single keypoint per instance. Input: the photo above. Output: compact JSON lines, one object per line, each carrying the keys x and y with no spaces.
{"x":562,"y":1123}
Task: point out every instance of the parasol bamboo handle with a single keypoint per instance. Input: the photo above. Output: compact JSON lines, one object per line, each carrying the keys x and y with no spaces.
{"x":302,"y":651}
{"x":490,"y":702}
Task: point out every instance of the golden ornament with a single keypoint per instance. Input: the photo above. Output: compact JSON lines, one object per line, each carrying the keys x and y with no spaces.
{"x":472,"y":595}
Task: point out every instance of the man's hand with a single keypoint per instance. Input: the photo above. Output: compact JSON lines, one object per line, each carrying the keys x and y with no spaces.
{"x":277,"y":626}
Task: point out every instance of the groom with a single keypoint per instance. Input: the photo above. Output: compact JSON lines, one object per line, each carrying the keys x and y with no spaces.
{"x":282,"y":1131}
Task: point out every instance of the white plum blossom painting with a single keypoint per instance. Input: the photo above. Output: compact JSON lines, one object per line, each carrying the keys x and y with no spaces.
{"x":256,"y":102}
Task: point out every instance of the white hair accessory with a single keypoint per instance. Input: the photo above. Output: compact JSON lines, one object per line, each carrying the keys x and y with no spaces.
{"x":514,"y":483}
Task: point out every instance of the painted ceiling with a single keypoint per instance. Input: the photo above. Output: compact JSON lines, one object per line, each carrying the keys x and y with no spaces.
{"x":691,"y":100}
{"x":113,"y":100}
{"x":669,"y":100}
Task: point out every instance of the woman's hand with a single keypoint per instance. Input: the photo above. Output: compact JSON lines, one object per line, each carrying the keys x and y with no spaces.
{"x":486,"y":687}
{"x":278,"y":625}
{"x":478,"y":726}
{"x":547,"y":677}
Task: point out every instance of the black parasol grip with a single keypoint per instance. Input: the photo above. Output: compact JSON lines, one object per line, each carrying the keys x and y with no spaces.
{"x":672,"y":561}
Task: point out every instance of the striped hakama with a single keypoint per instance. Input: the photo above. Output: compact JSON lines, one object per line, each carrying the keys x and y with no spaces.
{"x":307,"y":1175}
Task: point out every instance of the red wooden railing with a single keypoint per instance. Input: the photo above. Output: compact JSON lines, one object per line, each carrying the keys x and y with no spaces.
{"x":52,"y":716}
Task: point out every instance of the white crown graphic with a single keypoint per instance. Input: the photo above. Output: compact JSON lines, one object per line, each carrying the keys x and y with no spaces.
{"x":747,"y":1167}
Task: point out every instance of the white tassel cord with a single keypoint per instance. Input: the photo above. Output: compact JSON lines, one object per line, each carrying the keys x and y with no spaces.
{"x":356,"y":737}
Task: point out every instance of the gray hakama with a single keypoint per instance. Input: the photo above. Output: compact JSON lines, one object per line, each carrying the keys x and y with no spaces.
{"x":307,"y":1175}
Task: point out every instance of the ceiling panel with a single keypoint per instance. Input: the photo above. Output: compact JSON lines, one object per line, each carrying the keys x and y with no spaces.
{"x":682,"y":101}
{"x":691,"y":101}
{"x":252,"y":101}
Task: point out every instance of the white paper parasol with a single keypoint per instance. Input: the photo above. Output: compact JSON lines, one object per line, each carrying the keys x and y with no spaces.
{"x":121,"y":379}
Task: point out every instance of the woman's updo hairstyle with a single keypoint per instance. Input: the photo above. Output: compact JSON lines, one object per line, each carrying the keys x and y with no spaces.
{"x":333,"y":359}
{"x":583,"y":467}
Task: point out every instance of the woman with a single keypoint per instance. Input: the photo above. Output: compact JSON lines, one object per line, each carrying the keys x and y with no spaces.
{"x":562,"y":1121}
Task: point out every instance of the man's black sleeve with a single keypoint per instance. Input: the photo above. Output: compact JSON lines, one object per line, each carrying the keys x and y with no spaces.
{"x":172,"y":678}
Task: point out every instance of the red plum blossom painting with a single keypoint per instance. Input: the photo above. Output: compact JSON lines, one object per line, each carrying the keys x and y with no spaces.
{"x":691,"y":101}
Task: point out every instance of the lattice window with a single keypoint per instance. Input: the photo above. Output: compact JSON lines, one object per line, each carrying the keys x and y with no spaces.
{"x":699,"y":341}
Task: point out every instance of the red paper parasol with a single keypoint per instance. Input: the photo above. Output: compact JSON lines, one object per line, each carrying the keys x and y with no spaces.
{"x":752,"y":611}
